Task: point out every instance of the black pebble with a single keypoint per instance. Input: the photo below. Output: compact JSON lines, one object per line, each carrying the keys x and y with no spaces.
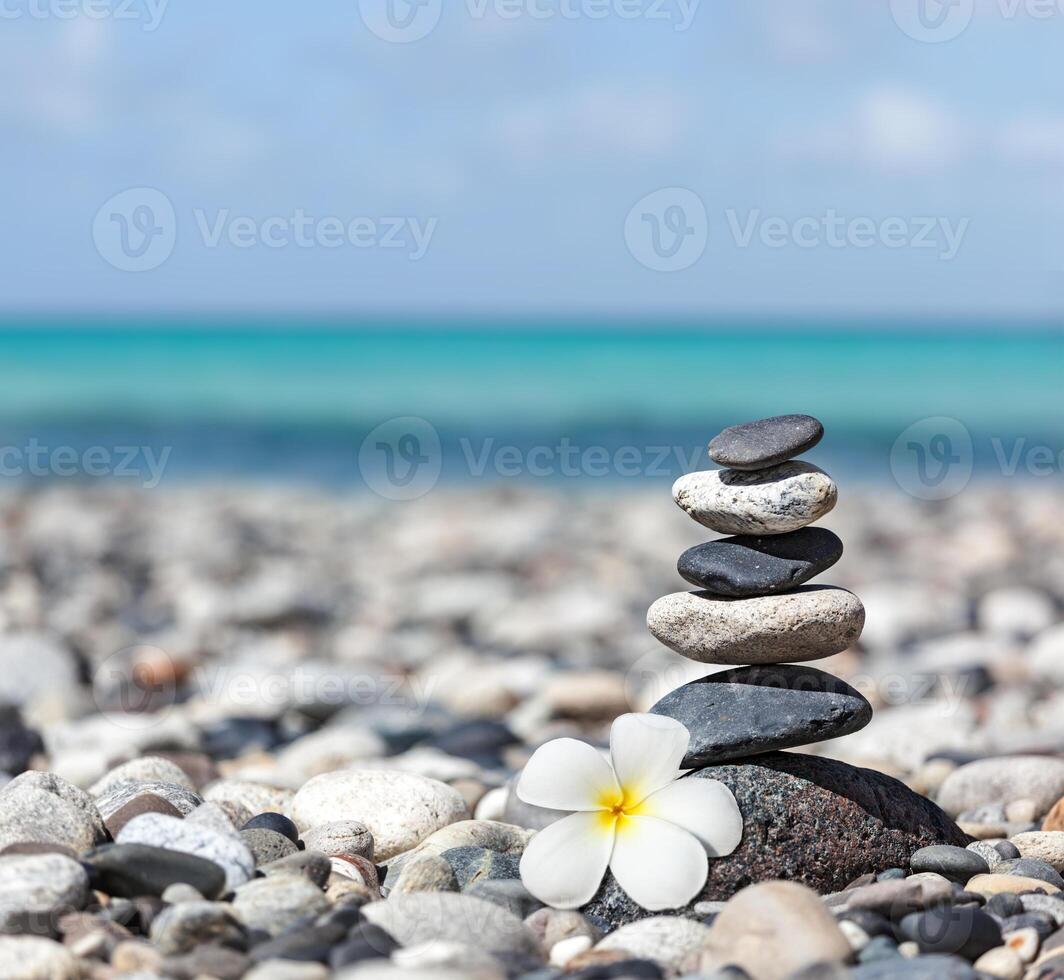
{"x":967,"y":932}
{"x":766,"y":442}
{"x":18,"y":743}
{"x":276,"y":822}
{"x":637,"y":969}
{"x":737,"y":713}
{"x":751,"y":565}
{"x":1005,"y":905}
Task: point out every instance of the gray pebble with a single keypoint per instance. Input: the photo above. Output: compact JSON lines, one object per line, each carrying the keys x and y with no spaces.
{"x":267,"y":845}
{"x":956,"y":863}
{"x":184,"y":927}
{"x":339,"y":838}
{"x":472,"y":864}
{"x":1031,"y":868}
{"x":766,"y":442}
{"x":312,"y":864}
{"x":273,"y":904}
{"x":31,"y":814}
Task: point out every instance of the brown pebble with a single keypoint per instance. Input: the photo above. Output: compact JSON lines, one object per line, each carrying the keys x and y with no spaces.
{"x":38,"y":847}
{"x":145,"y":803}
{"x":1008,"y":884}
{"x":1055,"y":818}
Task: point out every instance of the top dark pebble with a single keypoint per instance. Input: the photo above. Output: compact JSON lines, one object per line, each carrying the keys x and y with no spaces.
{"x":767,"y":442}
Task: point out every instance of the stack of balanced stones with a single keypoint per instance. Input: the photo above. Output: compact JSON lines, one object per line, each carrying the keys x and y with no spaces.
{"x":754,"y":610}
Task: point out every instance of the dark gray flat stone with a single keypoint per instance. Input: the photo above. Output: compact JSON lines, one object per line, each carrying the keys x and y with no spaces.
{"x":956,"y":863}
{"x":750,"y":710}
{"x":132,"y":870}
{"x":755,"y":445}
{"x":750,"y":565}
{"x":949,"y":929}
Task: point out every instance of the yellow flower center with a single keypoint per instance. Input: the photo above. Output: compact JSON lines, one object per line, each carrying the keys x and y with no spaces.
{"x":616,"y":807}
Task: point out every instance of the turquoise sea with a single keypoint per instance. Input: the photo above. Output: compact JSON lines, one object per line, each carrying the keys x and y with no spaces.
{"x":294,"y":399}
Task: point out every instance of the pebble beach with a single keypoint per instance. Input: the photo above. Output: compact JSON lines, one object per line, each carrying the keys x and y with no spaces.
{"x":273,"y":732}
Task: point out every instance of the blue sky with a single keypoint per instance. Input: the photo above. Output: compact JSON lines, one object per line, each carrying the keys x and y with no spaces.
{"x":492,"y":165}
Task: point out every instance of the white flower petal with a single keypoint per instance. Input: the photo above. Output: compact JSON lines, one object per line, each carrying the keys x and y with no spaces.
{"x":564,"y":863}
{"x":705,"y":807}
{"x":568,"y":775}
{"x":659,"y":865}
{"x":647,"y":751}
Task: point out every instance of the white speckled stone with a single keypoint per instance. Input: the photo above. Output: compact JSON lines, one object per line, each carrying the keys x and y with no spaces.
{"x":399,"y":809}
{"x":34,"y":886}
{"x":772,"y":501}
{"x":666,"y":939}
{"x":50,"y":783}
{"x":178,"y":796}
{"x":228,"y":851}
{"x":809,"y":623}
{"x":31,"y":814}
{"x":1043,"y":845}
{"x":1001,"y":780}
{"x":35,"y":958}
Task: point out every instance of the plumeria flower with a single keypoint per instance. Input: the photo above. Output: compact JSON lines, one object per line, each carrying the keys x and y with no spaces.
{"x":654,"y":831}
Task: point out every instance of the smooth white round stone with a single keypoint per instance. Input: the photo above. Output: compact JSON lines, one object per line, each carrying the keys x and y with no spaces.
{"x":399,"y":809}
{"x":773,"y":501}
{"x":809,"y":623}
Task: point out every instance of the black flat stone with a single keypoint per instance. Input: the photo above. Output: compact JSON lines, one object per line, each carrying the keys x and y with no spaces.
{"x":750,"y":710}
{"x":767,"y":442}
{"x":750,"y":565}
{"x":134,"y":870}
{"x":947,"y":929}
{"x":276,"y":822}
{"x":956,"y":863}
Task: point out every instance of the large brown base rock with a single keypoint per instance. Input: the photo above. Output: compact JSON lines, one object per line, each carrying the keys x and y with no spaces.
{"x":807,"y":819}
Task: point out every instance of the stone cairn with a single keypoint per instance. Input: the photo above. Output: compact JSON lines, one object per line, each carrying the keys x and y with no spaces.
{"x":806,"y":818}
{"x":754,"y":611}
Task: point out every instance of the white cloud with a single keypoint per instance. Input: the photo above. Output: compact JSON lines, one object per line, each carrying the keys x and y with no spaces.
{"x":592,"y":120}
{"x":1035,"y":140}
{"x":905,"y":131}
{"x":889,"y":129}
